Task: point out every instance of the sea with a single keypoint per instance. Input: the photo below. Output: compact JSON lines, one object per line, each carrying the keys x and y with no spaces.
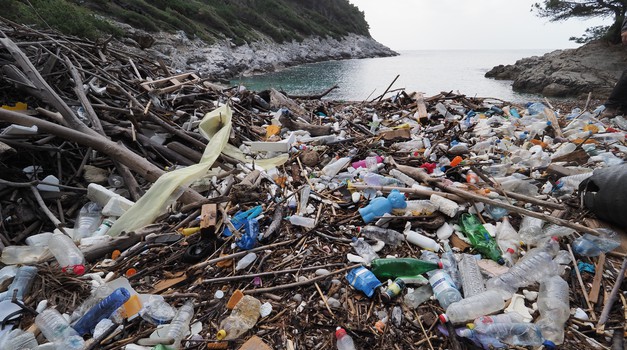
{"x":427,"y":71}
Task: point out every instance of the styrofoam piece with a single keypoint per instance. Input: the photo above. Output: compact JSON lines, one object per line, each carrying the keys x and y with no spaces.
{"x":444,"y":232}
{"x":518,"y":305}
{"x":282,"y":146}
{"x":49,"y":188}
{"x":446,"y":206}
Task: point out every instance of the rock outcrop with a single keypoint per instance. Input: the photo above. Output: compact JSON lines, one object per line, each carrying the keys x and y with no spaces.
{"x":594,"y":67}
{"x":224,"y":60}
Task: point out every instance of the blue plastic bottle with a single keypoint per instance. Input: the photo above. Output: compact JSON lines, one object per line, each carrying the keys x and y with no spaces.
{"x":363,"y":280}
{"x":100,"y":311}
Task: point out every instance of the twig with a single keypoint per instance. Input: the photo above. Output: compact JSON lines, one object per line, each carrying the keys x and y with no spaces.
{"x":47,"y":211}
{"x":299,"y":284}
{"x":612,"y":298}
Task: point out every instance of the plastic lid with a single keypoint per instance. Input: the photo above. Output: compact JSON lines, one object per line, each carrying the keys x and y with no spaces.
{"x":555,"y":238}
{"x":500,"y":261}
{"x":549,"y":344}
{"x":440,"y":265}
{"x":78,"y":269}
{"x":443,"y":318}
{"x":510,"y":250}
{"x":221,"y":334}
{"x":470,"y":325}
{"x":340,"y":332}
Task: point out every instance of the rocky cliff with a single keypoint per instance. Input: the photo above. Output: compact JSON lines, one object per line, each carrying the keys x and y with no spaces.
{"x":594,"y":67}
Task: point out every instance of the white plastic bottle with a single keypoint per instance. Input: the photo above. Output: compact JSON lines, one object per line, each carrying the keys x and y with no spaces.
{"x":69,"y":257}
{"x":87,"y":220}
{"x":179,"y":327}
{"x":422,"y":241}
{"x":344,"y":341}
{"x":302,"y":221}
{"x":554,"y":307}
{"x":57,"y":330}
{"x":469,"y":309}
{"x":472,"y":279}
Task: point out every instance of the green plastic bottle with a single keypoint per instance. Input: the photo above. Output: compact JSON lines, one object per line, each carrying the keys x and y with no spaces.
{"x":401,"y":267}
{"x":479,"y":238}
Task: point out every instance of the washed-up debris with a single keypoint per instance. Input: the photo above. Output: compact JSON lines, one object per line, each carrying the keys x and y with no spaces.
{"x":149,"y":209}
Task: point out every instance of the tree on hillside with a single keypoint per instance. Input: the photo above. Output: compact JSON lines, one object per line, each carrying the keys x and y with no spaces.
{"x":559,"y":10}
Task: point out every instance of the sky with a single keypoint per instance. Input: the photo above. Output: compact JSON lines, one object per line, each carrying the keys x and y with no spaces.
{"x":468,"y":24}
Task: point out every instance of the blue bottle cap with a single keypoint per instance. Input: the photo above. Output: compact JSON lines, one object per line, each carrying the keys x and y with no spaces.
{"x":549,"y":344}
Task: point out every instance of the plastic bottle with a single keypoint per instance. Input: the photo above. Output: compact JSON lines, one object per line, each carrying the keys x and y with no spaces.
{"x":590,"y":245}
{"x":422,"y":241}
{"x":481,"y":322}
{"x":415,"y":297}
{"x":245,"y":261}
{"x":302,"y":221}
{"x":21,"y":282}
{"x":364,"y":250}
{"x":367,"y":163}
{"x":251,"y":233}
{"x":530,"y":230}
{"x":179,"y":327}
{"x":393,"y":290}
{"x":401,"y":267}
{"x":363,"y":280}
{"x":444,"y":289}
{"x":344,"y":341}
{"x":88,"y":220}
{"x":333,"y":168}
{"x":449,"y":263}
{"x":532,"y":268}
{"x":304,"y":199}
{"x":390,"y":237}
{"x":554,"y":307}
{"x":479,"y":238}
{"x":104,"y":226}
{"x":239,"y":219}
{"x":69,"y":257}
{"x":57,"y":330}
{"x":403,"y":177}
{"x":519,"y":334}
{"x":469,"y":309}
{"x":244,"y":317}
{"x":507,"y":237}
{"x":19,"y":340}
{"x":472,"y":279}
{"x":373,"y":179}
{"x":100,"y":311}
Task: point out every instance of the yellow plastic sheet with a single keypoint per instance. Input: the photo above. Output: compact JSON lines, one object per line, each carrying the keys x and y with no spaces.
{"x":215,"y":127}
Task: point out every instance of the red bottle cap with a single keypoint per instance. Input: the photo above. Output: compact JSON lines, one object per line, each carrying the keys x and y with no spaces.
{"x":440,"y":265}
{"x":443,"y":318}
{"x":339,"y":332}
{"x":510,"y":250}
{"x":78,"y":269}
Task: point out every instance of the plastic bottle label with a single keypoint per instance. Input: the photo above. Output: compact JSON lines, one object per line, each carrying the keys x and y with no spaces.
{"x":440,"y":282}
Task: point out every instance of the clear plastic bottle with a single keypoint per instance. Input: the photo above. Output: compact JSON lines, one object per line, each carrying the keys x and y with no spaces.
{"x":57,"y":330}
{"x":22,"y":282}
{"x":244,"y":317}
{"x":373,"y":179}
{"x":530,"y":230}
{"x":364,"y":250}
{"x":302,"y":221}
{"x":472,"y":279}
{"x":554,"y":307}
{"x":69,"y":257}
{"x":245,"y":261}
{"x":469,"y":309}
{"x":507,"y":236}
{"x":444,"y":289}
{"x":449,"y":264}
{"x":590,"y":245}
{"x":344,"y":341}
{"x":19,"y":340}
{"x":532,"y":268}
{"x":519,"y":334}
{"x":482,"y":322}
{"x":104,"y":309}
{"x":390,"y":237}
{"x":179,"y":327}
{"x":88,"y":220}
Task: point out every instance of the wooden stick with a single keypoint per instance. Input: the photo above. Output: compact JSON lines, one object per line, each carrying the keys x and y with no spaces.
{"x":299,"y":284}
{"x":418,"y":191}
{"x":596,"y":282}
{"x":324,"y":299}
{"x":47,"y":211}
{"x":263,"y":274}
{"x":388,"y":89}
{"x":613,"y":296}
{"x":238,"y":254}
{"x":82,"y":97}
{"x":583,"y":287}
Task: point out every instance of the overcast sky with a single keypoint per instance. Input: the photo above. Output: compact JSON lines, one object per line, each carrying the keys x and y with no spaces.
{"x":467,"y":24}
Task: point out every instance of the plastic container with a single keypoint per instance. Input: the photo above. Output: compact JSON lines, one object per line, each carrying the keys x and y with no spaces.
{"x":333,"y":168}
{"x":403,"y":177}
{"x":393,"y":290}
{"x":179,"y":327}
{"x":88,"y":220}
{"x":363,"y":280}
{"x":554,"y":307}
{"x":245,"y":261}
{"x":390,"y":237}
{"x":302,"y":221}
{"x":373,"y":179}
{"x":104,"y":226}
{"x":417,"y":296}
{"x":422,"y":241}
{"x":69,"y":257}
{"x":57,"y":330}
{"x":472,"y":279}
{"x":479,"y":238}
{"x":590,"y":245}
{"x":343,"y":340}
{"x":100,"y":311}
{"x":364,"y":250}
{"x":244,"y":317}
{"x":367,"y":163}
{"x":444,"y":290}
{"x":530,"y":230}
{"x":449,"y":263}
{"x":18,"y":339}
{"x":402,"y":267}
{"x":532,"y":268}
{"x":507,"y":237}
{"x":22,"y":282}
{"x":469,"y":309}
{"x":480,"y":323}
{"x":251,"y":233}
{"x":519,"y":334}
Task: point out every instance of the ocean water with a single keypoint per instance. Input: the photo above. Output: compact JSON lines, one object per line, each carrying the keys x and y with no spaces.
{"x":427,"y":71}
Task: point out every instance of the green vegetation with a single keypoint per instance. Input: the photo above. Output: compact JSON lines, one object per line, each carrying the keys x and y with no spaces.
{"x":240,"y":20}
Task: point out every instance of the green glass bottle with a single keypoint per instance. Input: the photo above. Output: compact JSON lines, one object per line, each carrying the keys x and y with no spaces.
{"x":401,"y":267}
{"x":479,"y":238}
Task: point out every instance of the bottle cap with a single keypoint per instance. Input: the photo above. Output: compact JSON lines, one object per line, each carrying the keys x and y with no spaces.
{"x":470,"y":325}
{"x":510,"y":250}
{"x":555,"y":238}
{"x":78,"y":269}
{"x":221,"y":334}
{"x":443,"y":318}
{"x":340,"y":332}
{"x":549,"y":344}
{"x":440,"y":265}
{"x":500,"y":261}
